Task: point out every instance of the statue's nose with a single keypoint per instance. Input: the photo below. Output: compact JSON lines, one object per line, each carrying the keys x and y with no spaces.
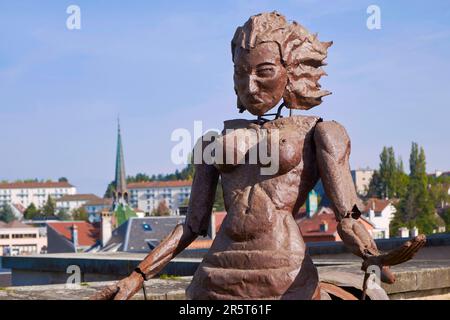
{"x":252,"y":85}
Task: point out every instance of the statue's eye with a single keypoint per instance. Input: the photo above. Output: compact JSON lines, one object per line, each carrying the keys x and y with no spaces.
{"x":266,"y":72}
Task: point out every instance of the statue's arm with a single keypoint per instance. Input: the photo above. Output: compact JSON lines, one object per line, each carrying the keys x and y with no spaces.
{"x":197,"y":222}
{"x":333,"y":152}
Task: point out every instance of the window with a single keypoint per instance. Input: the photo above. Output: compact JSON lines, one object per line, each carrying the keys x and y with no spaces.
{"x":146,"y":227}
{"x":4,"y":236}
{"x":378,"y":214}
{"x":24,"y":235}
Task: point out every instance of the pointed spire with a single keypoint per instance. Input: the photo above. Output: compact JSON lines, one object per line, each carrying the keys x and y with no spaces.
{"x":120,"y":183}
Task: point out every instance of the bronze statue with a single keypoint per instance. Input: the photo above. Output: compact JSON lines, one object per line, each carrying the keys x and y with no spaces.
{"x":259,"y":252}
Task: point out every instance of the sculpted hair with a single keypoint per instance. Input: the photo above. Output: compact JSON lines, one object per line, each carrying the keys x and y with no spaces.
{"x":301,"y":53}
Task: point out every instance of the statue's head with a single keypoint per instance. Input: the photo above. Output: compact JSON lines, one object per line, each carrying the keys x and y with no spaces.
{"x":275,"y":60}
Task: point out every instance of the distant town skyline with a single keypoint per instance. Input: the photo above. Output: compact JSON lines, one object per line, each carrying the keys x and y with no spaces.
{"x":162,"y":66}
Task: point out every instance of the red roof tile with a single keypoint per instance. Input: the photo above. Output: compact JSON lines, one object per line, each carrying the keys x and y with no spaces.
{"x":35,"y":185}
{"x":159,"y":184}
{"x":219,"y":215}
{"x":310,"y":227}
{"x":376,"y":205}
{"x":88,"y":234}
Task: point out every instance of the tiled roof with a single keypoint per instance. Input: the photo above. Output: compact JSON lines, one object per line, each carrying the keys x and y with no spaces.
{"x":159,"y":184}
{"x":142,"y":230}
{"x":219,"y":215}
{"x":376,"y":205}
{"x":14,"y":224}
{"x":78,"y":197}
{"x":100,"y":202}
{"x":88,"y":234}
{"x":310,"y":227}
{"x":35,"y":185}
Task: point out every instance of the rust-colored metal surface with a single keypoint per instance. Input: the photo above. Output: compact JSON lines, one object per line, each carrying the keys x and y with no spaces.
{"x":337,"y":291}
{"x":259,"y":252}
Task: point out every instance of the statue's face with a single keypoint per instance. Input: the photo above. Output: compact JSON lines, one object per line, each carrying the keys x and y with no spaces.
{"x":259,"y":77}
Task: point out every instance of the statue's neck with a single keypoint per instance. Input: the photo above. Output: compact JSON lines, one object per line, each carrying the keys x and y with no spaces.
{"x":262,"y":119}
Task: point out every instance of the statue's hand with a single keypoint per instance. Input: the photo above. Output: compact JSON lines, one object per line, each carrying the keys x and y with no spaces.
{"x":398,"y":255}
{"x":122,"y":290}
{"x":356,"y":238}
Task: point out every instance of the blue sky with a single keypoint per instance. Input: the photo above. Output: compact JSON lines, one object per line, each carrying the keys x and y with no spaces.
{"x":163,"y":65}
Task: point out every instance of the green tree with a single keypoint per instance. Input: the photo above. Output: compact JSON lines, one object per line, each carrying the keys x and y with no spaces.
{"x":49,"y":208}
{"x":80,"y":214}
{"x":439,"y":187}
{"x":63,"y":215}
{"x":162,"y":209}
{"x":109,"y":190}
{"x":219,"y":204}
{"x":390,"y":180}
{"x":6,"y":213}
{"x":416,"y":208}
{"x":31,"y":212}
{"x":63,"y":179}
{"x":446,"y":217}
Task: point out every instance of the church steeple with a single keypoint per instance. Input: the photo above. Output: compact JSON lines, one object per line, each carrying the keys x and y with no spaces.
{"x":120,"y":182}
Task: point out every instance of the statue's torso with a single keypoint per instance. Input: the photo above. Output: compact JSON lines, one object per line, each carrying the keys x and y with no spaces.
{"x":259,"y":252}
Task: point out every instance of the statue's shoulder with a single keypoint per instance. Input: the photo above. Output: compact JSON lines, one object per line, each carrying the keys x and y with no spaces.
{"x":332,"y":136}
{"x":238,"y":124}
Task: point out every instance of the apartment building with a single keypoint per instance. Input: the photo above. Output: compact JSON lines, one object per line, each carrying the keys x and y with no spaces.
{"x":25,"y":193}
{"x":17,"y":238}
{"x":146,"y":196}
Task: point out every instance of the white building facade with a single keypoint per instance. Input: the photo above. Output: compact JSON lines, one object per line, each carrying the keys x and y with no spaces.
{"x":25,"y":193}
{"x":71,"y":202}
{"x":146,"y":196}
{"x":94,"y":208}
{"x":17,"y":238}
{"x":380,"y":213}
{"x":361,"y":179}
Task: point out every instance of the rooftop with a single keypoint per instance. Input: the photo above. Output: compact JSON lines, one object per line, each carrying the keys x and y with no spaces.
{"x":159,"y":184}
{"x":79,"y":197}
{"x":88,"y":234}
{"x":35,"y":185}
{"x":14,"y":224}
{"x":310,"y":227}
{"x":376,"y":204}
{"x":100,"y":202}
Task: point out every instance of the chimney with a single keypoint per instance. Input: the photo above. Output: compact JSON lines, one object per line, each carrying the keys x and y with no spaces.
{"x":403,"y":232}
{"x":414,"y":232}
{"x":212,"y":226}
{"x":106,"y":226}
{"x":74,"y":233}
{"x":311,"y":203}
